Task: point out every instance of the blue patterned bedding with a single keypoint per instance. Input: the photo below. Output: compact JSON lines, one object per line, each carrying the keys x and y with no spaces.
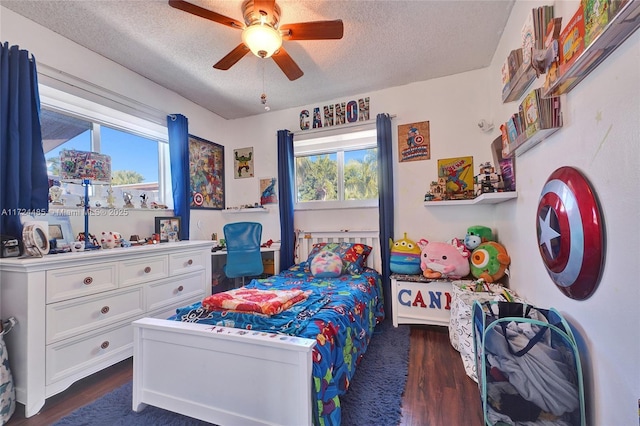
{"x":340,"y":314}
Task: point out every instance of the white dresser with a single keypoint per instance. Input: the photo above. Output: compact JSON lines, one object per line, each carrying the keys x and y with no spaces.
{"x":74,"y":310}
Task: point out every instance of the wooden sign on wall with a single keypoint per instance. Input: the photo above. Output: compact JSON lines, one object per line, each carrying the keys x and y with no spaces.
{"x":414,"y":142}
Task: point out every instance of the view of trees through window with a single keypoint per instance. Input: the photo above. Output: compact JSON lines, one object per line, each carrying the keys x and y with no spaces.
{"x":341,"y":175}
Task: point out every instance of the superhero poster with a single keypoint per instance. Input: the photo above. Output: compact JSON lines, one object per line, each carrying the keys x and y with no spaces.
{"x":414,"y":142}
{"x":243,"y":163}
{"x":458,"y":173}
{"x":206,"y":174}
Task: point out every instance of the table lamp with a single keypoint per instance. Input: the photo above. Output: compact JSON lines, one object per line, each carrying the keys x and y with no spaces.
{"x":85,"y":168}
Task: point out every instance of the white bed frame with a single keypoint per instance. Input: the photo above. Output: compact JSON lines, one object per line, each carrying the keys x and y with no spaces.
{"x":229,"y":376}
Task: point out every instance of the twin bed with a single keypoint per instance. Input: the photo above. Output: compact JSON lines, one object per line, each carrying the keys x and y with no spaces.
{"x":230,"y":366}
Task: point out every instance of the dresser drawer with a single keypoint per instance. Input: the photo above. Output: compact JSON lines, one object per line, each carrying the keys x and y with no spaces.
{"x":72,"y":317}
{"x":68,"y":283}
{"x":143,"y":269}
{"x":89,"y":352}
{"x":183,"y":263}
{"x":173,"y":290}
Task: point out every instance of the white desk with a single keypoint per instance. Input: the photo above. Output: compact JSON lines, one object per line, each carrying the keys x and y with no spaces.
{"x":219,"y":258}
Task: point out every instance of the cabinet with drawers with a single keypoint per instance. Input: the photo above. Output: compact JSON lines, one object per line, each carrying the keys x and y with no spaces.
{"x":74,"y":310}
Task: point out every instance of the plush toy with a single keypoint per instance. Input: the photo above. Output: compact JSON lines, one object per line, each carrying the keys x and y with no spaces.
{"x":326,"y":264}
{"x":110,"y":240}
{"x":405,"y":257}
{"x":476,"y":235}
{"x":444,"y":260}
{"x":489,"y":261}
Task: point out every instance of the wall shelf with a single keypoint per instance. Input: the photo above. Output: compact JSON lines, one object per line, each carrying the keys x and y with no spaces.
{"x":514,"y":89}
{"x":523,"y":143}
{"x":488,"y":198}
{"x":614,"y":34}
{"x":247,"y":210}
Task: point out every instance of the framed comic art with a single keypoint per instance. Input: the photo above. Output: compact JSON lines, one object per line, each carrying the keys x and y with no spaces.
{"x":206,"y":174}
{"x":168,"y":228}
{"x":243,"y":163}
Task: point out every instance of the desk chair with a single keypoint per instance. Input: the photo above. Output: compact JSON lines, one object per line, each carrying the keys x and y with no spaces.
{"x":243,"y":250}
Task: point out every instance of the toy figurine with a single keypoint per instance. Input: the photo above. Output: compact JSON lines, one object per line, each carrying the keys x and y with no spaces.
{"x":444,"y":260}
{"x":110,"y":198}
{"x":487,"y":180}
{"x":143,"y":201}
{"x":55,"y":194}
{"x":127,"y":200}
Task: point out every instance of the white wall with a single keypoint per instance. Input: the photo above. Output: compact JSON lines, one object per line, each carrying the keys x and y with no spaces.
{"x":600,"y":137}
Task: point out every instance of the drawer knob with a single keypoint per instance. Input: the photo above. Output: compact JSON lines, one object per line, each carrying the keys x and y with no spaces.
{"x":105,"y":344}
{"x":104,"y":310}
{"x":180,"y":289}
{"x":147,"y":269}
{"x":87,"y":280}
{"x":189,"y":262}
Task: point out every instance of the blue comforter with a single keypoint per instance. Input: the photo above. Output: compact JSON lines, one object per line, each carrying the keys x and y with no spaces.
{"x":340,"y":314}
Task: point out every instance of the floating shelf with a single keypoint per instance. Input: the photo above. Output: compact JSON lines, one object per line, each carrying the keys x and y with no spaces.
{"x":522,"y":144}
{"x":614,"y":34}
{"x":488,"y":198}
{"x":513,"y":90}
{"x":245,"y":210}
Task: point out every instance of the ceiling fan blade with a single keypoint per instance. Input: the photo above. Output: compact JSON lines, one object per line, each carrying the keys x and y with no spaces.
{"x":206,"y":13}
{"x":287,"y":64}
{"x":317,"y":30}
{"x":265,"y":6}
{"x":232,"y":57}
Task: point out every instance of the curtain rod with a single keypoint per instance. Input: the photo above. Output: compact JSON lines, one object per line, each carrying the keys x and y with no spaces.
{"x":337,"y":128}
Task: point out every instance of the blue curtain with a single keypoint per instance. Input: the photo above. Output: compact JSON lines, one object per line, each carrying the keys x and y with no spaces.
{"x":385,"y":201}
{"x":178,"y":126}
{"x":24,"y":185}
{"x":287,"y":196}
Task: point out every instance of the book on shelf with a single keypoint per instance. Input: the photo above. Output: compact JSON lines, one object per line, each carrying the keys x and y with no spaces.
{"x":534,"y":30}
{"x":571,"y":41}
{"x":530,"y":113}
{"x":596,"y":18}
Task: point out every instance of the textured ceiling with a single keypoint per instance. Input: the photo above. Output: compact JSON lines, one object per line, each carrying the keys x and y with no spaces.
{"x":385,"y":44}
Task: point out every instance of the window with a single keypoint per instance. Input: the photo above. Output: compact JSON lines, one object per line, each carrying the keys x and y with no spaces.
{"x":337,"y":171}
{"x":139,"y":158}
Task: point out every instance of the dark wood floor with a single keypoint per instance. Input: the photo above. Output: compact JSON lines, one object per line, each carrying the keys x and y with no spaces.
{"x":438,"y":392}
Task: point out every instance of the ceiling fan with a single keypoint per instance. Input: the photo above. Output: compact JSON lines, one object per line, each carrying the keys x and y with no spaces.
{"x":262,"y":35}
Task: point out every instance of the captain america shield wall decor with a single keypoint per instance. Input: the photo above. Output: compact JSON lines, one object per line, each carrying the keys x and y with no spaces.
{"x":571,"y":233}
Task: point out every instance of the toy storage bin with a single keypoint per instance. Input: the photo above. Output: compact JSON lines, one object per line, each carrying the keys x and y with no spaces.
{"x":528,"y":365}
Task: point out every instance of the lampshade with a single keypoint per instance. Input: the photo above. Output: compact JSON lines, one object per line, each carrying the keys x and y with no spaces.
{"x":263,"y":40}
{"x":76,"y":166}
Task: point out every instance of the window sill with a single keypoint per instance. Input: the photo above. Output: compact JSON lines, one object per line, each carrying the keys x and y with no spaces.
{"x":336,"y":205}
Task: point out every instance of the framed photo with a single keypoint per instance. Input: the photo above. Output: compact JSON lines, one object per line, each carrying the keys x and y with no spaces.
{"x":268,"y":191}
{"x":168,"y":228}
{"x":58,"y":228}
{"x":206,"y":174}
{"x":243,"y":163}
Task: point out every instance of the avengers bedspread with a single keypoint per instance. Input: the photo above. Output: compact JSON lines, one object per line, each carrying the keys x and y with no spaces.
{"x":340,"y":313}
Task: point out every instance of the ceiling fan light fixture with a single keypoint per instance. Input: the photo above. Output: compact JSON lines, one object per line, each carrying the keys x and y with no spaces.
{"x":262,"y":40}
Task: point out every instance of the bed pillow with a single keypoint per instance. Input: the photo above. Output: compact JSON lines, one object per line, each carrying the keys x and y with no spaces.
{"x":326,"y":264}
{"x":353,"y":255}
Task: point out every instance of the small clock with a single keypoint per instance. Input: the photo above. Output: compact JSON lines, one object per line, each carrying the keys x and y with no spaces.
{"x":35,"y":240}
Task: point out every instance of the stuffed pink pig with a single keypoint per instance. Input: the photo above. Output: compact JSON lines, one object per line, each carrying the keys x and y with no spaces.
{"x":444,"y":260}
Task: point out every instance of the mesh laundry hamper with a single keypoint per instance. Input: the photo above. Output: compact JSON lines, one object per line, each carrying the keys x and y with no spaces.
{"x":7,"y":391}
{"x":528,"y":365}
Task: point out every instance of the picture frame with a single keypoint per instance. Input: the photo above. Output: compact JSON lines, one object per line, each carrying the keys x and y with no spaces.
{"x":168,"y":228}
{"x":59,"y":228}
{"x":206,"y":174}
{"x":243,"y":163}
